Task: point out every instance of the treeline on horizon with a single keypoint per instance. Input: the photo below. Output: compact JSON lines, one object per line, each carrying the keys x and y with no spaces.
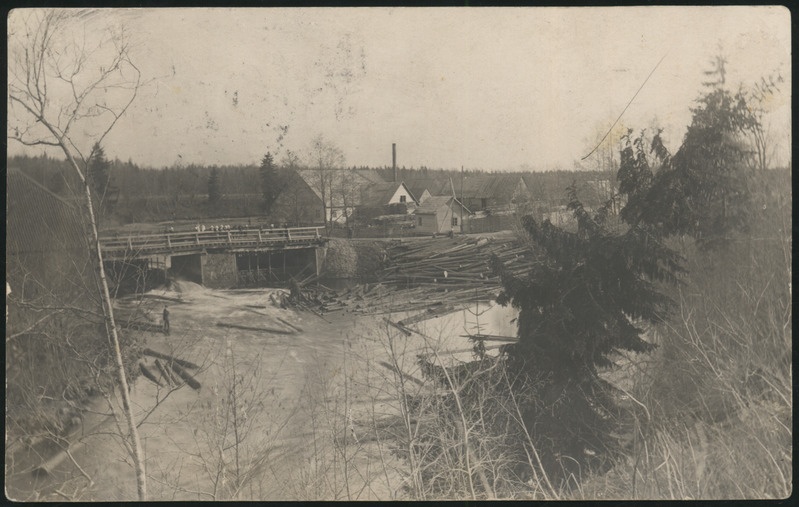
{"x":145,"y":194}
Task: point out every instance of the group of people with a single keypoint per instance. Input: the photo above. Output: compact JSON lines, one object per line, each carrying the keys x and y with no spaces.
{"x":219,"y":228}
{"x":225,"y":227}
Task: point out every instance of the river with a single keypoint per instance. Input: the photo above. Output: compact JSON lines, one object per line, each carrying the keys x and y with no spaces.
{"x":311,"y":394}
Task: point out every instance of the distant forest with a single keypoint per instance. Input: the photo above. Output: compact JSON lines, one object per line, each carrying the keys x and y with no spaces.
{"x":135,"y":194}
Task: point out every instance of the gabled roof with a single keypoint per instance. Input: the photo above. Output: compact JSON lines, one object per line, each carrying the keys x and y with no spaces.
{"x":369,"y":175}
{"x":490,"y":186}
{"x":378,"y":194}
{"x":434,"y":202}
{"x":436,"y":186}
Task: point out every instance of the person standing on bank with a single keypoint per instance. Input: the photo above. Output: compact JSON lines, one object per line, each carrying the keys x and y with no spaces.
{"x":166,"y":320}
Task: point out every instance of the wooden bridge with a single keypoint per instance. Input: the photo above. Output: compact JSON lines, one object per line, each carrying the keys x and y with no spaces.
{"x":218,"y":258}
{"x":176,"y":243}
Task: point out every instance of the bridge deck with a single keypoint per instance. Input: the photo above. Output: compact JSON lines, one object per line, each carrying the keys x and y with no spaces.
{"x":229,"y":241}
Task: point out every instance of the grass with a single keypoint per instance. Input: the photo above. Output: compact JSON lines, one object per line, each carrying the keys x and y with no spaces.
{"x":718,"y":391}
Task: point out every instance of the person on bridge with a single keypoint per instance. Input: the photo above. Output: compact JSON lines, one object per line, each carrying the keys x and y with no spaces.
{"x":166,"y":320}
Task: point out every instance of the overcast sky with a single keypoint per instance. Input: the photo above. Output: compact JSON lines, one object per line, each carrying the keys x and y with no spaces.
{"x":488,"y":88}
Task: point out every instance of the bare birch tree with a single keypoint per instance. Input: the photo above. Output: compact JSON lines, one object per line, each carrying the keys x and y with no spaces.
{"x":65,"y":92}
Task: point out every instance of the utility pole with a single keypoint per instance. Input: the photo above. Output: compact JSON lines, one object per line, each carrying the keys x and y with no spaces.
{"x":394,"y":160}
{"x":461,"y":203}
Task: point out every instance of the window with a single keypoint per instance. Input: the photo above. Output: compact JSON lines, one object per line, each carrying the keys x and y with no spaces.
{"x":454,"y":221}
{"x":333,"y":213}
{"x":420,"y":220}
{"x":402,"y":198}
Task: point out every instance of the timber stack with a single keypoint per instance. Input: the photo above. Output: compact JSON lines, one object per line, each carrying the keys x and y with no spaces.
{"x":437,"y":276}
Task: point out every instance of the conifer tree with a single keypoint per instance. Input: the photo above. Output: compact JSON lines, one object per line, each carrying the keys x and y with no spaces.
{"x":703,"y":189}
{"x":595,"y":290}
{"x":99,"y":172}
{"x":271,"y":182}
{"x":214,"y":187}
{"x":592,"y":293}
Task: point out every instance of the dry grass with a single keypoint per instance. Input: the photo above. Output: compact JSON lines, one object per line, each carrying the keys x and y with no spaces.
{"x":718,"y":392}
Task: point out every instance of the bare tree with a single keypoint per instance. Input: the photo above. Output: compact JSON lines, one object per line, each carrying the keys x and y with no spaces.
{"x":759,"y":132}
{"x":347,"y":192}
{"x":325,"y":159}
{"x":64,"y":91}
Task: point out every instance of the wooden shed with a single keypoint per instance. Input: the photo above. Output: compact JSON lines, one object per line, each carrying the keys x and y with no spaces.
{"x":440,"y":215}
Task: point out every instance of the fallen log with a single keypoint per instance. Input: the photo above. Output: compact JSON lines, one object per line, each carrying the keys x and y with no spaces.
{"x":491,"y":338}
{"x":253,"y":328}
{"x":401,"y":373}
{"x":149,"y":375}
{"x":187,"y":377}
{"x":403,"y":329}
{"x":167,"y":357}
{"x":166,"y":373}
{"x":287,"y":323}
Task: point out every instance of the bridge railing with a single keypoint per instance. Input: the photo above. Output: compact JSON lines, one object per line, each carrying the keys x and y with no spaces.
{"x":193,"y":239}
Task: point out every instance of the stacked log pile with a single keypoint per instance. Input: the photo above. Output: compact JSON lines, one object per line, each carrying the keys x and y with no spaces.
{"x":434,"y":276}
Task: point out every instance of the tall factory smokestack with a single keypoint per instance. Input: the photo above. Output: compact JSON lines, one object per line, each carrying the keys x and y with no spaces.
{"x":394,"y":160}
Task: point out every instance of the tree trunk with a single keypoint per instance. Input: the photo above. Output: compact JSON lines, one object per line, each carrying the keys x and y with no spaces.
{"x":111,"y":329}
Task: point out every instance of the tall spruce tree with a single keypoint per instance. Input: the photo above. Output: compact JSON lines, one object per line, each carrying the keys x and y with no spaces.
{"x":99,"y":172}
{"x":594,"y":292}
{"x":703,"y":189}
{"x":271,"y":182}
{"x":214,"y":187}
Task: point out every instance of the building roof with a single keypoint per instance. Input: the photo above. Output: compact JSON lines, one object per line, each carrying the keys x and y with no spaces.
{"x":490,"y":186}
{"x":380,"y":193}
{"x":369,"y":175}
{"x":436,"y":186}
{"x":435,"y":202}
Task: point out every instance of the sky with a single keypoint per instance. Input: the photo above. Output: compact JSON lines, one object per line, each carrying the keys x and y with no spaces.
{"x":485,"y":88}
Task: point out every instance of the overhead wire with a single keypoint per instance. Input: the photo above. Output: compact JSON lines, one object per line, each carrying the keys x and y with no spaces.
{"x":625,"y":108}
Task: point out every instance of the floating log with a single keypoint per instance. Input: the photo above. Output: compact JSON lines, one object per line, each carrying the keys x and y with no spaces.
{"x":253,"y":328}
{"x":167,"y":357}
{"x":149,"y":375}
{"x":185,"y":376}
{"x":165,"y":298}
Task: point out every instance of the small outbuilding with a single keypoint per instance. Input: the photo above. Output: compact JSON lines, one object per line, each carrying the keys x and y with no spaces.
{"x":440,"y":215}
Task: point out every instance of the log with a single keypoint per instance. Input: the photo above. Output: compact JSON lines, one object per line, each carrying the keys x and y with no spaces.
{"x":185,"y":376}
{"x":402,"y":374}
{"x":253,"y":328}
{"x":165,"y":298}
{"x":405,"y":331}
{"x":149,"y":375}
{"x":491,"y":338}
{"x":166,"y":373}
{"x":292,"y":326}
{"x":167,"y":357}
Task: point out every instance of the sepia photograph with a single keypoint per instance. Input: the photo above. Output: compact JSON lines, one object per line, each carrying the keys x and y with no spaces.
{"x":398,"y":253}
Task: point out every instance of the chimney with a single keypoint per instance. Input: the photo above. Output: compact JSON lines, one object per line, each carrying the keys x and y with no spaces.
{"x":394,"y":160}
